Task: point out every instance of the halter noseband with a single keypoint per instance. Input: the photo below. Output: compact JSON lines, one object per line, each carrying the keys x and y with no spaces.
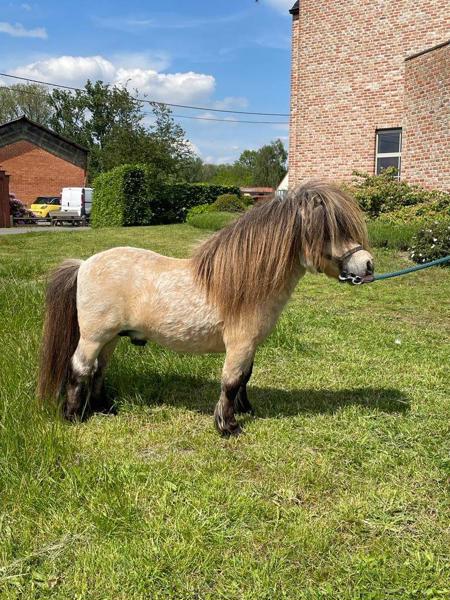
{"x":345,"y":277}
{"x":341,"y":259}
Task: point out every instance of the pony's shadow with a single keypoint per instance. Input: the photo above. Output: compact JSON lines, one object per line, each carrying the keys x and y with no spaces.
{"x":201,"y":395}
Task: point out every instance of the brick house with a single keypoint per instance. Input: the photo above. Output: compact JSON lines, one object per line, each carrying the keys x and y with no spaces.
{"x":370,"y":87}
{"x":39,"y":161}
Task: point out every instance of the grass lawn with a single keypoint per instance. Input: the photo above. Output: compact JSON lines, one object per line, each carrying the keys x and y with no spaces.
{"x":337,"y":490}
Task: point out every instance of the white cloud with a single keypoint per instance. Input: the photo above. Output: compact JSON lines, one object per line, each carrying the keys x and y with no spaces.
{"x":18,"y":30}
{"x":68,"y":70}
{"x":134,"y":24}
{"x":231,"y":103}
{"x":180,"y":88}
{"x":157,"y":60}
{"x":26,"y":6}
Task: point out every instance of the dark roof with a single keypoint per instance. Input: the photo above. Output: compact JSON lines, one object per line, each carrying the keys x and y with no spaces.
{"x":295,"y":9}
{"x":26,"y":129}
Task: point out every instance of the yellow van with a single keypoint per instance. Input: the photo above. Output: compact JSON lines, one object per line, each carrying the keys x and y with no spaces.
{"x":43,"y":205}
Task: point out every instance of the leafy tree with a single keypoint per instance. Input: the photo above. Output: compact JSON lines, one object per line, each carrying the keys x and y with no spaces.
{"x":270,"y":164}
{"x":109,"y":121}
{"x":32,"y":100}
{"x":263,"y":167}
{"x":234,"y":174}
{"x":247,"y":159}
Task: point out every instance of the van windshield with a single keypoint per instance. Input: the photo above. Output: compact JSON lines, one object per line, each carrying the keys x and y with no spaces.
{"x":46,"y":200}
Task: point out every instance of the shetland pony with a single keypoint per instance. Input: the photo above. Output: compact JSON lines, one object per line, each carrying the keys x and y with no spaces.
{"x":226,"y":298}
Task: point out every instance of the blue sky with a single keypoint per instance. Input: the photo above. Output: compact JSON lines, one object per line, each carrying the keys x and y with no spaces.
{"x":222,"y":53}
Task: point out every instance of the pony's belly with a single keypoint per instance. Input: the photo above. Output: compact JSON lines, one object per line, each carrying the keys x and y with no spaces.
{"x":181,"y":339}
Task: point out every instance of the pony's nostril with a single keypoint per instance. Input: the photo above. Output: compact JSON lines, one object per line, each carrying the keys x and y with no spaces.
{"x":369,"y":267}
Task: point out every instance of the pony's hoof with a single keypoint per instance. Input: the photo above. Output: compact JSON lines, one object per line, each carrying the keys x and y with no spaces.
{"x":71,"y":415}
{"x":230,"y":430}
{"x":244,"y":409}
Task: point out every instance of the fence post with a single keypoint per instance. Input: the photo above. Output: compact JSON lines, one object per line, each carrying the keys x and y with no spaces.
{"x":5,"y":220}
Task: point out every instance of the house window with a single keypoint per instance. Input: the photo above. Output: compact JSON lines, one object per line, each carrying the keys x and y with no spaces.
{"x":388,"y":150}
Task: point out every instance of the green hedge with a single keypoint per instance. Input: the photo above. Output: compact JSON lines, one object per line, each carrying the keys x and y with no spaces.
{"x":133,"y":195}
{"x":120,"y":198}
{"x":171,"y":202}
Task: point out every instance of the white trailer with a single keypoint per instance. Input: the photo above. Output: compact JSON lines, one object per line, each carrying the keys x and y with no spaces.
{"x":76,"y":206}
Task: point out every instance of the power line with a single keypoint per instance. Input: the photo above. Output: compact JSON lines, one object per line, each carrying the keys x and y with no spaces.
{"x":229,"y":121}
{"x":222,"y":110}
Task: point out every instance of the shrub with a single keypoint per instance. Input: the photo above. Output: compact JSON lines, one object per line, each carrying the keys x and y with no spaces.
{"x":17,"y":208}
{"x":431,"y":242}
{"x":120,"y":198}
{"x":377,"y":194}
{"x":435,"y":210}
{"x":247,"y":200}
{"x":389,"y":235}
{"x":197,"y":210}
{"x":229,"y":203}
{"x":213,"y":221}
{"x":170,"y":202}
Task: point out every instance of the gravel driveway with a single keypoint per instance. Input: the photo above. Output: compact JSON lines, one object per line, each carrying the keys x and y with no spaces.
{"x":38,"y":229}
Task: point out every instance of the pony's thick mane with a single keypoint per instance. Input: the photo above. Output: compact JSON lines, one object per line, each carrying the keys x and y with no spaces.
{"x":253,"y":258}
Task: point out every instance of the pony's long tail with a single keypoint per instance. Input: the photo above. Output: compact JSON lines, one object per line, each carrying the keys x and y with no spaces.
{"x":61,"y":332}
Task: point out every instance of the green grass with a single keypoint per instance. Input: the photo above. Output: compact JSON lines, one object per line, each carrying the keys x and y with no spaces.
{"x":337,"y":490}
{"x":397,"y":236}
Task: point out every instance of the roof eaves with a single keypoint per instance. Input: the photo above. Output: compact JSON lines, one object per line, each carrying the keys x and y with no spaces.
{"x":295,"y":9}
{"x":25,"y":119}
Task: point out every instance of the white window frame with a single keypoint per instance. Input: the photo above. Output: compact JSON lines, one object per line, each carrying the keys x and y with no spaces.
{"x":389,"y":154}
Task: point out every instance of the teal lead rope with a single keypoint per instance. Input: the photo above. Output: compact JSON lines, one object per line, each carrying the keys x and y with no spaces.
{"x":355,"y":280}
{"x":438,"y":261}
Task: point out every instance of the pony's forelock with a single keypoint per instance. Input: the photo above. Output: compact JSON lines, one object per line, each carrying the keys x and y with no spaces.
{"x":253,"y":258}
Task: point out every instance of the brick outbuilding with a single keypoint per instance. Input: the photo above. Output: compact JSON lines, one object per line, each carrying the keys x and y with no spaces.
{"x":370,"y":88}
{"x":39,"y":161}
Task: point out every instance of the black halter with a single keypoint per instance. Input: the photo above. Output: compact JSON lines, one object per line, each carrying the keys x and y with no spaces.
{"x":345,"y":277}
{"x":341,"y":259}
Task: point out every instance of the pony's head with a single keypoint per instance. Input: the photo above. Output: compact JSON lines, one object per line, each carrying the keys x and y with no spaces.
{"x":333,"y":232}
{"x":317,"y":226}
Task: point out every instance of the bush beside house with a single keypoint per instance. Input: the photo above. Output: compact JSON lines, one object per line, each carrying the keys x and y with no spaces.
{"x":431,"y":242}
{"x":400,"y":213}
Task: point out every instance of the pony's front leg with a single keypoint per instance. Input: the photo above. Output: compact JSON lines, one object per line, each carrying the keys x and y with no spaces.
{"x":235,"y":374}
{"x":99,"y":401}
{"x":241,"y":402}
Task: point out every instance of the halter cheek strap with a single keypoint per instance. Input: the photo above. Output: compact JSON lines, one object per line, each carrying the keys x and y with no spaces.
{"x":349,"y":253}
{"x":340,"y":259}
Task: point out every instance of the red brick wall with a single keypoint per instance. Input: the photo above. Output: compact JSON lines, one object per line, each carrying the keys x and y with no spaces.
{"x":426,"y":151}
{"x":348,"y":76}
{"x":36,"y":172}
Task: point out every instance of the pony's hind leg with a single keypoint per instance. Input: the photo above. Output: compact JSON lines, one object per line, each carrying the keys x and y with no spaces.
{"x":241,"y":402}
{"x":79,"y":384}
{"x":235,"y":374}
{"x":99,"y":401}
